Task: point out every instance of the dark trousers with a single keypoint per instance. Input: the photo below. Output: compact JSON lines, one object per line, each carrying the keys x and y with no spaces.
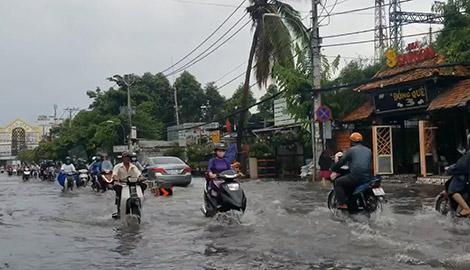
{"x":344,"y":187}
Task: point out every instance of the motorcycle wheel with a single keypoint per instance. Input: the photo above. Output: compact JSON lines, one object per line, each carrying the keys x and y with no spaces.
{"x":331,"y":202}
{"x":442,"y":205}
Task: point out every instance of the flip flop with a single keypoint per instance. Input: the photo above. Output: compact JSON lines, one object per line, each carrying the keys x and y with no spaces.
{"x":459,"y":215}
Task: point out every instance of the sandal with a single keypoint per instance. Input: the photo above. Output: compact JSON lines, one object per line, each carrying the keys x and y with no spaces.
{"x":460,"y":215}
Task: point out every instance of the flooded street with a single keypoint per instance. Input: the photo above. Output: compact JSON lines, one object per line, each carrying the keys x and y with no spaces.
{"x":287,"y":226}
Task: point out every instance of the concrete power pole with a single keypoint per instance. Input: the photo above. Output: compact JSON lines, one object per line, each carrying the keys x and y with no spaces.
{"x":71,"y":110}
{"x":316,"y":64}
{"x":129,"y":80}
{"x":176,"y":107}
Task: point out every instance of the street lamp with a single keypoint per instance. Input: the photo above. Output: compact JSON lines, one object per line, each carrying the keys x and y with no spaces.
{"x":122,"y":129}
{"x":128,"y":80}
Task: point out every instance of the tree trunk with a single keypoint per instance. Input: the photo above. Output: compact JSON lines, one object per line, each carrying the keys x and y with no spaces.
{"x":246,"y":89}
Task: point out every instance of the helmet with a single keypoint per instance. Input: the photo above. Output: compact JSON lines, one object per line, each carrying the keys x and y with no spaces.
{"x":126,"y":154}
{"x":68,"y":158}
{"x":220,"y":146}
{"x":356,"y":137}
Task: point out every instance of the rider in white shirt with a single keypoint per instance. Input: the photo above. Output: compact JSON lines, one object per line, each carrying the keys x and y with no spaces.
{"x":68,"y":167}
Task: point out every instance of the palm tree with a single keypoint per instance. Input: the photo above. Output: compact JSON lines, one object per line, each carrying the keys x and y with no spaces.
{"x":274,"y":23}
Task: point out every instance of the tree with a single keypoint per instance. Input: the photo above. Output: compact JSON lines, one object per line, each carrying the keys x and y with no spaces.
{"x":454,"y":40}
{"x":235,"y":103}
{"x":190,"y":97}
{"x":266,"y":109}
{"x":214,"y":100}
{"x":273,"y":23}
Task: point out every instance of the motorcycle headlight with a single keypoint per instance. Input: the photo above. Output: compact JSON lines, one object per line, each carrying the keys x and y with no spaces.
{"x":233,"y":186}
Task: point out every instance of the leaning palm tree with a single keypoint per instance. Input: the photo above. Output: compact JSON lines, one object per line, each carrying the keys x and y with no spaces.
{"x":274,"y":25}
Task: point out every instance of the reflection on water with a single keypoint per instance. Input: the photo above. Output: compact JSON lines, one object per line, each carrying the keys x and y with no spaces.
{"x":287,"y":226}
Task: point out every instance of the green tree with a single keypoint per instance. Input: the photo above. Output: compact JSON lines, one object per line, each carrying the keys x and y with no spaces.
{"x":215,"y":100}
{"x":273,"y":23}
{"x":190,"y":97}
{"x":454,"y":40}
{"x":235,"y":103}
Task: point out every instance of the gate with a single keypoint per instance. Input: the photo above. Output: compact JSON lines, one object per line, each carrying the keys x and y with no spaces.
{"x":18,"y":141}
{"x":382,"y":151}
{"x":426,"y":145}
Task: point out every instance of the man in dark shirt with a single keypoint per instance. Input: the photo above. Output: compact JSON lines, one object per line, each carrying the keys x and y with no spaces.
{"x":359,"y":160}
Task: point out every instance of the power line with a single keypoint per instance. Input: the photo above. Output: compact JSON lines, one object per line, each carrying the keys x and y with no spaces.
{"x":359,"y":9}
{"x":206,"y":39}
{"x":203,"y":3}
{"x":204,"y":54}
{"x":372,"y":40}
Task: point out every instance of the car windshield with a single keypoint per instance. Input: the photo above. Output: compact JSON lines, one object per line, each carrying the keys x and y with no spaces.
{"x":166,"y":160}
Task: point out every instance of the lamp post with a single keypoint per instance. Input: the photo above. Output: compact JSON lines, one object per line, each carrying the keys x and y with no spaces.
{"x":127,"y":80}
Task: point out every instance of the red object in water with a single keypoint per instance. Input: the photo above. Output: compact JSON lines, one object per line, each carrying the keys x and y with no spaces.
{"x":228,"y":126}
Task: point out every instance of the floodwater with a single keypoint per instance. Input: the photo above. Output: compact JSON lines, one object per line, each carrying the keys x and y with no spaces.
{"x":286,"y":226}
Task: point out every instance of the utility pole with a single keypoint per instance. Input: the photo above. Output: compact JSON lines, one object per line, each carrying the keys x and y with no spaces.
{"x":176,"y":107}
{"x":316,"y":79}
{"x":71,"y":110}
{"x":129,"y":80}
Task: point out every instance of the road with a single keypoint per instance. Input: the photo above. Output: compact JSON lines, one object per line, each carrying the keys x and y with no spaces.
{"x":287,"y":226}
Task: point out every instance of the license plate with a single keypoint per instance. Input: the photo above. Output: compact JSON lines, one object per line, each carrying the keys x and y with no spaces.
{"x":378,"y":191}
{"x":173,"y":172}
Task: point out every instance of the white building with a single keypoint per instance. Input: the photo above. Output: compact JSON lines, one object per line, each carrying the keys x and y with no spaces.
{"x":18,"y":136}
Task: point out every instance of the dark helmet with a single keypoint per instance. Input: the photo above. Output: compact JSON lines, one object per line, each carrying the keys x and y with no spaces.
{"x":126,"y":154}
{"x":220,"y":146}
{"x":67,"y":158}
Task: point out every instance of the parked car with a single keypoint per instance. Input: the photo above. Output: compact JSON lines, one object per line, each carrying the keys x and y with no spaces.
{"x":169,"y":170}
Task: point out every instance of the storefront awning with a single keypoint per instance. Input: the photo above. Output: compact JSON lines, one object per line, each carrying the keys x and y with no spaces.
{"x":427,"y":69}
{"x":361,"y":113}
{"x":457,"y":96}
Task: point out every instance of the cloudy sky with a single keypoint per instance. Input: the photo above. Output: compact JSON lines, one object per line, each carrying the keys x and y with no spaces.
{"x":53,"y":51}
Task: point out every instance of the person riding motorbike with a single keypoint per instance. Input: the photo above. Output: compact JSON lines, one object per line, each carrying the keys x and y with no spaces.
{"x":121,"y":173}
{"x":359,"y":160}
{"x":222,"y":161}
{"x":458,"y":185}
{"x":81,"y":165}
{"x":68,"y":167}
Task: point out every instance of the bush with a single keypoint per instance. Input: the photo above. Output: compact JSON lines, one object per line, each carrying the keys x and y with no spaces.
{"x":261,"y":150}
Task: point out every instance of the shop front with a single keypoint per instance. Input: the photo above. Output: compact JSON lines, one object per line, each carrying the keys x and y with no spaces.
{"x":416,"y":116}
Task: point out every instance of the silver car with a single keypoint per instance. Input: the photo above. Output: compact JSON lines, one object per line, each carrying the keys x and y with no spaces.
{"x":168,"y":170}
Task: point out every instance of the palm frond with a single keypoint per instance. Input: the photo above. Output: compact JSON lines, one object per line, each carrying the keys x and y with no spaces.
{"x":293,"y":21}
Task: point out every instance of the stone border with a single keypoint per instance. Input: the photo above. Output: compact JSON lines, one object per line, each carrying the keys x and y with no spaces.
{"x":432,"y":180}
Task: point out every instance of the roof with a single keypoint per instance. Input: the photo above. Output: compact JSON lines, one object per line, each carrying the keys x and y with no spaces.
{"x":360,"y":113}
{"x":418,"y":71}
{"x":457,"y":96}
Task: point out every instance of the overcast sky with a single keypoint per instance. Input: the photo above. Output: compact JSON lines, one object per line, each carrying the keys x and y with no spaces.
{"x":53,"y":51}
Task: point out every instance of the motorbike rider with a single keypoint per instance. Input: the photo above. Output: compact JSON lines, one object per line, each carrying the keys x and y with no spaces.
{"x":81,"y":164}
{"x":359,"y":160}
{"x":121,"y":173}
{"x":461,"y":173}
{"x":68,"y":167}
{"x":221,"y":161}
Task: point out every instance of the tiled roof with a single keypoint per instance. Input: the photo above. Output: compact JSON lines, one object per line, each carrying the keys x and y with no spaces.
{"x":456,"y":96}
{"x":360,"y":113}
{"x":414,"y":72}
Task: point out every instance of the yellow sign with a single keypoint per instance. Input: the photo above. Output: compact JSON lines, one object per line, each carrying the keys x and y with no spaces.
{"x":391,"y":56}
{"x":215,"y":136}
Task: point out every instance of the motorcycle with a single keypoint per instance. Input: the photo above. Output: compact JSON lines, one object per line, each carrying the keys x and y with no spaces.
{"x":132,"y":197}
{"x":83,"y":177}
{"x":26,"y":174}
{"x":366,"y":198}
{"x":228,"y":196}
{"x":69,"y":181}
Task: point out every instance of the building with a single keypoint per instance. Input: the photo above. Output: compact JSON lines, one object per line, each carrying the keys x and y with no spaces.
{"x":190,"y":133}
{"x":416,"y":116}
{"x":18,"y":136}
